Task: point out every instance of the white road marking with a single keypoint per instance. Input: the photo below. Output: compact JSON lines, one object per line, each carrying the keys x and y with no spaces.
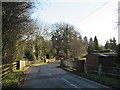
{"x":49,"y":74}
{"x":70,"y":83}
{"x":90,"y":81}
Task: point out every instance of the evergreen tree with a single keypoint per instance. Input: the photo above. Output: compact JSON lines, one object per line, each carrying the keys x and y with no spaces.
{"x":107,"y":45}
{"x":114,"y":45}
{"x":111,"y":44}
{"x":90,"y":45}
{"x":85,"y":42}
{"x":96,"y":45}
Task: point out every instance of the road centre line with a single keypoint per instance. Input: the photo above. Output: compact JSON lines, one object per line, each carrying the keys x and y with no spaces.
{"x":70,"y":83}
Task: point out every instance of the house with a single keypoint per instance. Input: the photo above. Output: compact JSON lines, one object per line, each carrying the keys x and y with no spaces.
{"x":105,"y":59}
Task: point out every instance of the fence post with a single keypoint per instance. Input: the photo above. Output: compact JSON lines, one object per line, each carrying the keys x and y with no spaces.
{"x":61,"y":64}
{"x":118,"y":71}
{"x":100,"y":69}
{"x":85,"y":68}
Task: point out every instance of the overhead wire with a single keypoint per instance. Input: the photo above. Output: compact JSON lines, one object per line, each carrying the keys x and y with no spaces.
{"x":94,"y":11}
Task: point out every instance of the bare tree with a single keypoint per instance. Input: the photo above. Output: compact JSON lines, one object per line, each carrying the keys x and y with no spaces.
{"x":67,"y":41}
{"x":40,"y":34}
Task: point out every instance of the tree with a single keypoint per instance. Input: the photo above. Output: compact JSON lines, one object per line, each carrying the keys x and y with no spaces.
{"x":15,"y":23}
{"x":96,"y":45}
{"x":107,"y":45}
{"x":67,"y":41}
{"x":85,"y":43}
{"x":111,"y":44}
{"x":29,"y":51}
{"x":38,"y":46}
{"x":114,"y":45}
{"x":90,"y":45}
{"x":48,"y":49}
{"x":39,"y":37}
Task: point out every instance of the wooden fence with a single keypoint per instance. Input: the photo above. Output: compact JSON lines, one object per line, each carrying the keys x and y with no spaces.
{"x":6,"y":69}
{"x":110,"y":71}
{"x":87,"y":68}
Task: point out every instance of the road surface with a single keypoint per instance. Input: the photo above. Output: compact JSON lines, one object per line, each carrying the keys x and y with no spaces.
{"x":49,"y":76}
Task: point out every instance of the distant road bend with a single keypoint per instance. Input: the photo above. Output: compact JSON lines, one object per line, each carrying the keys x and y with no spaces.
{"x":49,"y":76}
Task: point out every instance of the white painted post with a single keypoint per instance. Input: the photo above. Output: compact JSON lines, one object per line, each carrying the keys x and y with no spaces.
{"x":22,"y":64}
{"x":100,"y":69}
{"x":85,"y":68}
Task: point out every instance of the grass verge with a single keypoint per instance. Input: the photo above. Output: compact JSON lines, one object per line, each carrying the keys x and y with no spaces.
{"x":109,"y":81}
{"x":12,"y":80}
{"x":112,"y":82}
{"x":36,"y":64}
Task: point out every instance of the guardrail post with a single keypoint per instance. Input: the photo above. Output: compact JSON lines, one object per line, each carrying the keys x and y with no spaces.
{"x":100,"y":69}
{"x":85,"y":68}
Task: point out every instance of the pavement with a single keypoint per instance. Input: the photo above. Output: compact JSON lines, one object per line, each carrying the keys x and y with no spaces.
{"x":50,"y":76}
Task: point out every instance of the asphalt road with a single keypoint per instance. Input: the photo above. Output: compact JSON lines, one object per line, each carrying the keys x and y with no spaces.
{"x":49,"y":76}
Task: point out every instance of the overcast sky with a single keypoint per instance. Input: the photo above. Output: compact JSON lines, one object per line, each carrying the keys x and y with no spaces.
{"x":91,"y":17}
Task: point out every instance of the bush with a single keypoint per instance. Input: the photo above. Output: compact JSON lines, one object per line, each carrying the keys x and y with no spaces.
{"x":24,"y":59}
{"x":30,"y":56}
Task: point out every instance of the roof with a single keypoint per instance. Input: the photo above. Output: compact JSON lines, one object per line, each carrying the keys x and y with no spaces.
{"x":104,"y":54}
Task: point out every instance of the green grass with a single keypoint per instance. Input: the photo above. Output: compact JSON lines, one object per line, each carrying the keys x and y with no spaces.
{"x":12,"y":80}
{"x":102,"y":78}
{"x":36,"y":64}
{"x":113,"y":82}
